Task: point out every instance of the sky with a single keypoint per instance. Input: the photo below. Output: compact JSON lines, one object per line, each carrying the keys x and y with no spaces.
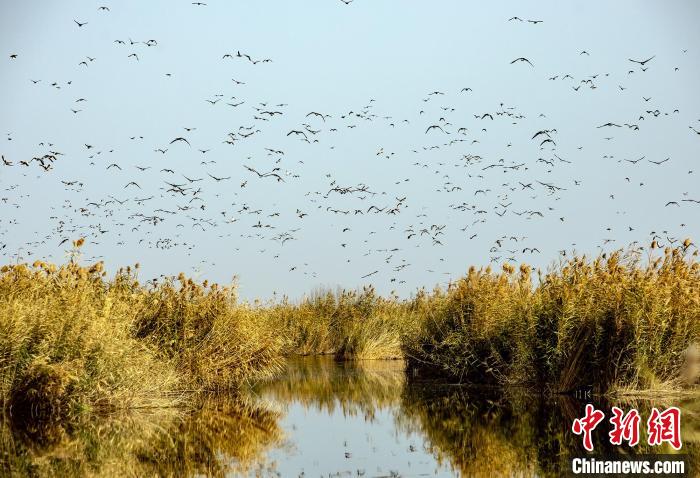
{"x":379,"y":73}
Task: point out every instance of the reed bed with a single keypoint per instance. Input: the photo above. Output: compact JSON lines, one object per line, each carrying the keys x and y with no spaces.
{"x":72,"y":340}
{"x":346,"y":324}
{"x":621,"y":323}
{"x":75,"y":343}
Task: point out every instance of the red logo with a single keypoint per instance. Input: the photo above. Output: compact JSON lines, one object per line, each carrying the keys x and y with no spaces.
{"x":625,"y":427}
{"x":662,"y":427}
{"x":665,"y":427}
{"x":587,"y":424}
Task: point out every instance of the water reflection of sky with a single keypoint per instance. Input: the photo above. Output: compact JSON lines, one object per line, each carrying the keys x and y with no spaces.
{"x":349,"y":419}
{"x":319,"y":441}
{"x":340,"y":420}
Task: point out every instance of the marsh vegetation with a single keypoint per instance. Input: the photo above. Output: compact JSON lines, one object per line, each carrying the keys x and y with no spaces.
{"x":84,"y":356}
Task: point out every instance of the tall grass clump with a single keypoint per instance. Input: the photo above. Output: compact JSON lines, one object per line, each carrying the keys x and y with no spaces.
{"x":66,"y":344}
{"x":72,"y":340}
{"x":215,"y":343}
{"x":615,"y":322}
{"x":472,"y":331}
{"x":347,"y":324}
{"x":618,"y":323}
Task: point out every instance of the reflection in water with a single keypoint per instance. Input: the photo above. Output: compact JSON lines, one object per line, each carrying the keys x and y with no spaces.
{"x":325,"y":384}
{"x":323,"y":417}
{"x":219,"y":437}
{"x":491,"y":433}
{"x":436,"y":428}
{"x":340,"y":420}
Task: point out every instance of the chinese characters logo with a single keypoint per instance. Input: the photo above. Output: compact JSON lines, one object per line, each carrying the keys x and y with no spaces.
{"x":662,"y":426}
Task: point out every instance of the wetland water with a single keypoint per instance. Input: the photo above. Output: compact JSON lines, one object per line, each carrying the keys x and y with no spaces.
{"x":332,"y":419}
{"x":363,"y":419}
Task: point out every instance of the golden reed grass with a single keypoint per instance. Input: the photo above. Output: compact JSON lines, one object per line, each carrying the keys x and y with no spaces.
{"x":619,"y":323}
{"x":73,"y":339}
{"x":346,"y":324}
{"x":622,"y":323}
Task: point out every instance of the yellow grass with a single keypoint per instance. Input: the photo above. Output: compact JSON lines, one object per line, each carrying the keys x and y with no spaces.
{"x":346,"y":324}
{"x":620,"y":322}
{"x":72,"y":340}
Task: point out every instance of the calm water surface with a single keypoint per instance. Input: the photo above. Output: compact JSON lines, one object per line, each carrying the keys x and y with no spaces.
{"x":323,"y":418}
{"x":363,"y":419}
{"x":344,"y":419}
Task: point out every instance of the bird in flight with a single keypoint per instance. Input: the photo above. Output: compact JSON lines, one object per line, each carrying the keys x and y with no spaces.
{"x":80,"y":24}
{"x":320,"y":115}
{"x":644,"y":62}
{"x":522,"y":59}
{"x":435,"y":126}
{"x":264,"y":175}
{"x":181,"y":139}
{"x":609,"y":124}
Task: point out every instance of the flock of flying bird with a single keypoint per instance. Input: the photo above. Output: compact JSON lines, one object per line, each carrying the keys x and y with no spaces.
{"x":153,"y":204}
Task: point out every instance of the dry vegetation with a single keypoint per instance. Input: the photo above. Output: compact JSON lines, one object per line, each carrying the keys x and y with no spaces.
{"x":72,"y":339}
{"x":621,"y":323}
{"x":346,"y":324}
{"x":76,"y":344}
{"x":615,"y":322}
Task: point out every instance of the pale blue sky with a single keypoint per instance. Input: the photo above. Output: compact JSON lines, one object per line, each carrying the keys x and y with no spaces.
{"x":334,"y":58}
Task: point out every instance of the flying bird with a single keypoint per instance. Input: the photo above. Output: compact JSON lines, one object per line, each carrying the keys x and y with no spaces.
{"x":644,"y":62}
{"x":523,"y":59}
{"x":181,"y":139}
{"x":435,"y":126}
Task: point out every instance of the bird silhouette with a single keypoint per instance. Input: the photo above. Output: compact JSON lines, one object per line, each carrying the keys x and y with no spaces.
{"x":522,"y":59}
